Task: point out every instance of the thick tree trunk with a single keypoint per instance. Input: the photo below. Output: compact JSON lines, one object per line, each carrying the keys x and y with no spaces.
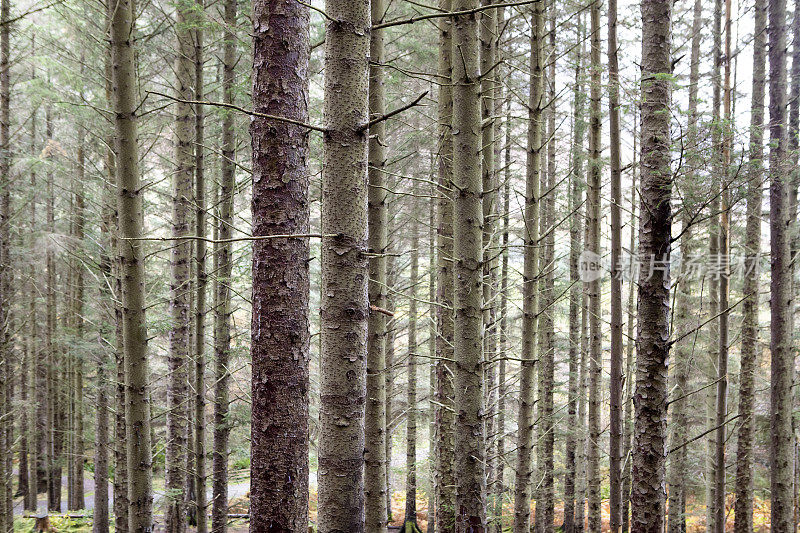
{"x":137,"y":407}
{"x":222,"y":296}
{"x":280,"y":336}
{"x":743,"y":506}
{"x":375,"y":465}
{"x":530,"y":294}
{"x":593,"y":245}
{"x":344,"y":304}
{"x":445,"y":482}
{"x":781,"y":370}
{"x":467,"y":264}
{"x":649,"y":455}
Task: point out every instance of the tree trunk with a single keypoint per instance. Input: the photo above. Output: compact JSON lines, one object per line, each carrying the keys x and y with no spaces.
{"x":649,"y":456}
{"x":575,"y":195}
{"x":201,"y":256}
{"x":530,"y":294}
{"x":344,"y":304}
{"x":432,"y":354}
{"x":375,"y":487}
{"x":137,"y":407}
{"x":781,"y":370}
{"x":6,"y":425}
{"x":467,"y":265}
{"x":445,"y":481}
{"x":593,"y":220}
{"x":280,"y":337}
{"x":743,"y":506}
{"x":410,"y":518}
{"x":177,"y":390}
{"x":616,"y":377}
{"x":223,"y":267}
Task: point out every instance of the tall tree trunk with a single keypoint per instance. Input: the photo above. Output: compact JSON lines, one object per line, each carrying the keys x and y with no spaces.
{"x":201,"y":256}
{"x":530,"y":294}
{"x":575,"y":202}
{"x":375,"y":472}
{"x":432,"y":354}
{"x":222,"y":296}
{"x":616,"y":377}
{"x":781,"y":370}
{"x":344,"y":305}
{"x":134,"y":333}
{"x":445,"y":420}
{"x":743,"y":506}
{"x":546,"y":441}
{"x":180,"y":285}
{"x":467,"y":264}
{"x":280,"y":336}
{"x":649,"y":455}
{"x":593,"y":245}
{"x":6,"y":425}
{"x":676,"y":521}
{"x":410,"y":518}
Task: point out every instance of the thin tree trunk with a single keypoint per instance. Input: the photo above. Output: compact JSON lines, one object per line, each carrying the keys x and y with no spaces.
{"x":6,"y":425}
{"x":410,"y":519}
{"x":180,"y":288}
{"x":648,"y":494}
{"x":344,"y":305}
{"x":222,"y":296}
{"x":530,"y":294}
{"x":201,"y":283}
{"x":375,"y":486}
{"x":432,"y":354}
{"x":743,"y":506}
{"x":445,"y":419}
{"x":616,"y":377}
{"x":781,"y":370}
{"x":575,"y":202}
{"x":593,"y":244}
{"x":280,"y":336}
{"x":137,"y":407}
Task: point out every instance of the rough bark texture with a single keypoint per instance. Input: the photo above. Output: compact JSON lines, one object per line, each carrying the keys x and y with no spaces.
{"x":593,"y":220}
{"x":222,"y":296}
{"x":375,"y":465}
{"x":743,"y":506}
{"x":650,"y":399}
{"x":279,"y":331}
{"x":781,"y":369}
{"x":344,"y":301}
{"x":467,"y":265}
{"x":445,"y":482}
{"x":137,"y":408}
{"x":411,"y":386}
{"x":530,"y":295}
{"x":6,"y":425}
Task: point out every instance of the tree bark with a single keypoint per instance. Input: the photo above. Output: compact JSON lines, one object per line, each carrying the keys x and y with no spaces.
{"x":743,"y":505}
{"x":375,"y":461}
{"x":280,"y":337}
{"x":781,"y":369}
{"x":222,"y":296}
{"x":410,"y":518}
{"x":530,"y":295}
{"x":445,"y":420}
{"x":649,"y":456}
{"x":344,"y":301}
{"x":575,"y":202}
{"x":593,"y":221}
{"x":137,"y":407}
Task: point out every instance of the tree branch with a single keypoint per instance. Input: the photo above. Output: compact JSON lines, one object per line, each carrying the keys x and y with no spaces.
{"x":390,"y":114}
